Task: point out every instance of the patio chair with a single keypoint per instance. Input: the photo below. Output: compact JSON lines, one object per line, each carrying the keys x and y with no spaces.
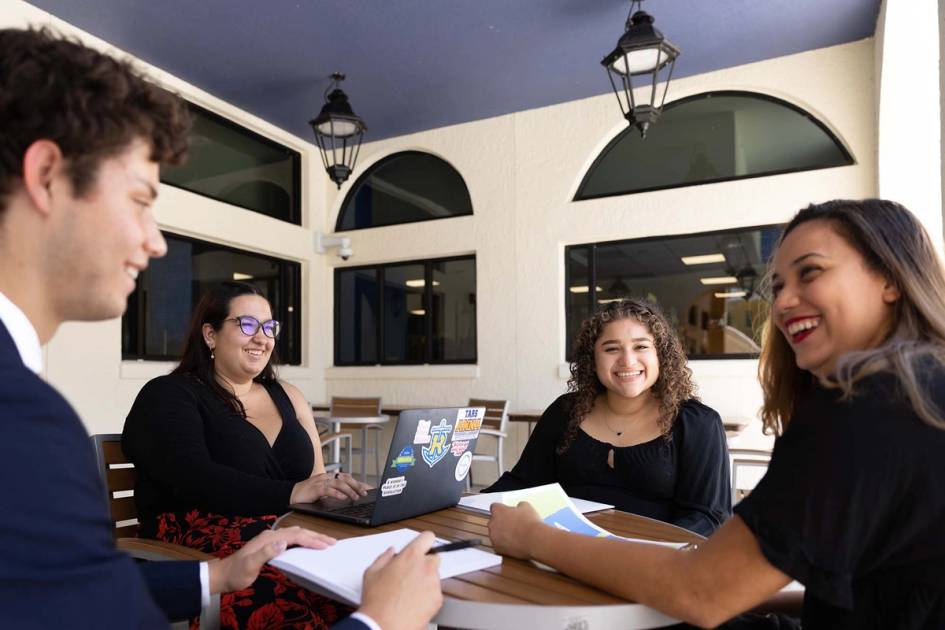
{"x":748,"y":466}
{"x":494,"y":425}
{"x":342,"y":406}
{"x":118,"y":478}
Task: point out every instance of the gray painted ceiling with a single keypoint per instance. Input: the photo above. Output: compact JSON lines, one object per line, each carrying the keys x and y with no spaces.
{"x":421,"y":64}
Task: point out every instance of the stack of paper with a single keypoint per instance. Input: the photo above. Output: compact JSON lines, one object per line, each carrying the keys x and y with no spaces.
{"x":338,"y":570}
{"x":481,"y":502}
{"x":558,"y":510}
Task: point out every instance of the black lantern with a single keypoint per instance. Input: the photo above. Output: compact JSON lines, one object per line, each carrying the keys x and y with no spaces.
{"x":642,"y":50}
{"x":747,"y":276}
{"x":338,"y":132}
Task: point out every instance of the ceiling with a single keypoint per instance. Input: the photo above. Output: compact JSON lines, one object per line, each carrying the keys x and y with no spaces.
{"x":420,"y":64}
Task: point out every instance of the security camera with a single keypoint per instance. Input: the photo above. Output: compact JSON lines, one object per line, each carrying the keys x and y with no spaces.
{"x":343,"y":243}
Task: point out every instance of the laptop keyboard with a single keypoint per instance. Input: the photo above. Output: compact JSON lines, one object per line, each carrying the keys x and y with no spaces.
{"x":364,"y":510}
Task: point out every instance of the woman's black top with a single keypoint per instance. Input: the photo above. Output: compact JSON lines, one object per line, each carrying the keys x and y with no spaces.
{"x":853,"y":507}
{"x":684,"y":480}
{"x":192,"y":451}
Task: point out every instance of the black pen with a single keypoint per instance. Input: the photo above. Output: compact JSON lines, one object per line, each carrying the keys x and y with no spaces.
{"x":455,"y":546}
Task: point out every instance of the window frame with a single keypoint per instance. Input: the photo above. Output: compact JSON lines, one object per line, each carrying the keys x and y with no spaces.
{"x":356,"y":186}
{"x":592,"y":282}
{"x":295,"y":210}
{"x":379,"y":270}
{"x":848,"y":156}
{"x":137,"y":332}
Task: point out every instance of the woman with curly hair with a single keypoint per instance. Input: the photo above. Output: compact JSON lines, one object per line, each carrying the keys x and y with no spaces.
{"x":631,"y":431}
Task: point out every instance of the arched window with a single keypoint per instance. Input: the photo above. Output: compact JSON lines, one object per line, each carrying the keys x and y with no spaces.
{"x":403,"y":188}
{"x":714,"y":137}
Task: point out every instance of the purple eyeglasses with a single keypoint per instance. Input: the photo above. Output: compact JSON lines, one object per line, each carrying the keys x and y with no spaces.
{"x":249,"y":326}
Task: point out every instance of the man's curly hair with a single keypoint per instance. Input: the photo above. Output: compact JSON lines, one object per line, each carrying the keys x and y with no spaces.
{"x":673,"y":386}
{"x":91,"y":105}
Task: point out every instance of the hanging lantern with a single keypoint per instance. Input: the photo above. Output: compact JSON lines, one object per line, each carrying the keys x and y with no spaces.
{"x":642,"y":51}
{"x":338,"y":132}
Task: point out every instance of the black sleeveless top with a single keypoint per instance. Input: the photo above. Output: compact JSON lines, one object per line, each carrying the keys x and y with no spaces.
{"x":192,"y":451}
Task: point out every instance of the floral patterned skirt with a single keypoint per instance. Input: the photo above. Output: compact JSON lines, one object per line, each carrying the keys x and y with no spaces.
{"x":272,"y":601}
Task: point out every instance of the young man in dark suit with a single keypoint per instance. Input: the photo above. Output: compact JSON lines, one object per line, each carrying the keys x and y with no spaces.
{"x":82,"y":136}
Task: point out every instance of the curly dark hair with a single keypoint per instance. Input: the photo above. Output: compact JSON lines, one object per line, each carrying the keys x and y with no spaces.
{"x":91,"y":105}
{"x":672,"y":387}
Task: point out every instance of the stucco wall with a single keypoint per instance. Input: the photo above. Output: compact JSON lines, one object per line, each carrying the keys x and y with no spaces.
{"x":522,"y":171}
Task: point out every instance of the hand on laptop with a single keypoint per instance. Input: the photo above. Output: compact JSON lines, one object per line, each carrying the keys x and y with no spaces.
{"x":239,"y":570}
{"x":402,"y":591}
{"x":335,"y":485}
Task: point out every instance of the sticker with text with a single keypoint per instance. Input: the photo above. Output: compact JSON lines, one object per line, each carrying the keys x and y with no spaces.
{"x":394,"y":485}
{"x":422,"y":436}
{"x":462,"y":466}
{"x":404,"y":460}
{"x":458,"y":448}
{"x":468,"y":422}
{"x":437,"y":449}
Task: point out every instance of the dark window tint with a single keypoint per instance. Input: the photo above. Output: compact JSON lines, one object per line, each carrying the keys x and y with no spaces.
{"x":403,"y":188}
{"x":714,"y":137}
{"x":406,"y":313}
{"x":356,"y":336}
{"x":453,"y":322}
{"x":155,"y":324}
{"x":235,"y":165}
{"x":708,"y":284}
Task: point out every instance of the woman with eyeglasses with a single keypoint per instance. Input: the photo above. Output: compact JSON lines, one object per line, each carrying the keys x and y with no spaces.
{"x":221,"y":447}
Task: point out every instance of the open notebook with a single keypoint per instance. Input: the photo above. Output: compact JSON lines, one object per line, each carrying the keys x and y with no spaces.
{"x":338,"y":570}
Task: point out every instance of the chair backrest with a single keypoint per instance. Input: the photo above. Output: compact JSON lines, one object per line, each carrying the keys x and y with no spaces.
{"x":354,"y":407}
{"x":497,"y":412}
{"x":748,"y":467}
{"x":118,"y":477}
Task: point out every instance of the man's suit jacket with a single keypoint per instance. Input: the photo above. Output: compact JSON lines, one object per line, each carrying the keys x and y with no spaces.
{"x":58,"y":563}
{"x":59,"y":567}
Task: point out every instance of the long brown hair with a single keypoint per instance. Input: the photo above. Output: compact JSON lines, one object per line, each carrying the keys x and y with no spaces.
{"x":213,"y":309}
{"x":895,"y":245}
{"x":672,"y":387}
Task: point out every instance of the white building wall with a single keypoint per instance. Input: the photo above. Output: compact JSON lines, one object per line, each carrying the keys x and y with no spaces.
{"x":522,"y":171}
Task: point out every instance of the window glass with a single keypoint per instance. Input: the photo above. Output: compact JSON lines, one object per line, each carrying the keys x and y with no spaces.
{"x":454,"y":310}
{"x":415,"y":312}
{"x":404,"y":314}
{"x":403,"y":188}
{"x":357,"y":330}
{"x":708,"y":285}
{"x":714,"y":137}
{"x":155,"y":325}
{"x":577,"y":297}
{"x":235,"y":165}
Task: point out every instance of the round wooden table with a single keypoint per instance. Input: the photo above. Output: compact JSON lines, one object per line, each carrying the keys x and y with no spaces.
{"x":518,"y":595}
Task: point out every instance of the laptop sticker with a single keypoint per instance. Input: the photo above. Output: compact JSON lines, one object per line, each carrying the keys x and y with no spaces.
{"x":422,"y":436}
{"x":458,"y":448}
{"x":468,"y":423}
{"x":405,"y":460}
{"x":393,"y":486}
{"x":437,"y":449}
{"x":462,"y":466}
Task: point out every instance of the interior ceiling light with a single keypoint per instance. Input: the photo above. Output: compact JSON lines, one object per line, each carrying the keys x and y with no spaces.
{"x":642,"y":51}
{"x":416,"y":284}
{"x":730,"y":294}
{"x":719,"y":280}
{"x":703,"y":259}
{"x":338,"y":132}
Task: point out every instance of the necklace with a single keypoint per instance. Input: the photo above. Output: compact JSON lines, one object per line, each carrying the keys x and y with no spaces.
{"x":609,"y":412}
{"x":613,"y":430}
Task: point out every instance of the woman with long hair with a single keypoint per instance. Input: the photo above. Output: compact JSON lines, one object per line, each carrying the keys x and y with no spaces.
{"x":631,"y":431}
{"x":853,"y":374}
{"x":221,"y":447}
